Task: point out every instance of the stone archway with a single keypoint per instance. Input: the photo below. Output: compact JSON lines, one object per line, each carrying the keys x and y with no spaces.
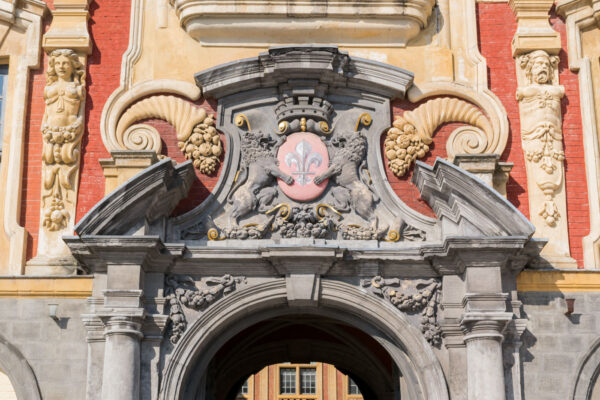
{"x":339,"y":301}
{"x":586,"y":384}
{"x":19,"y":372}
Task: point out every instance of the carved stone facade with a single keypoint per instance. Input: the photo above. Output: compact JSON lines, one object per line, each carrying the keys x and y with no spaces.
{"x":357,"y":199}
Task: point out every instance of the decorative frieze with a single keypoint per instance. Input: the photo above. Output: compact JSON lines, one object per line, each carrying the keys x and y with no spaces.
{"x":412,"y":296}
{"x":181,"y":291}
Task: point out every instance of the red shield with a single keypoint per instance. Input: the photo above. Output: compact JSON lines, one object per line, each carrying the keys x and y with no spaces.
{"x":303,"y":156}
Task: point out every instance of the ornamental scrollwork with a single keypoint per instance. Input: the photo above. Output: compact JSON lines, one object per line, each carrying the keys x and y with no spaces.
{"x":181,"y":291}
{"x":411,"y":134}
{"x":197,"y":137}
{"x":62,"y":131}
{"x":412,"y":296}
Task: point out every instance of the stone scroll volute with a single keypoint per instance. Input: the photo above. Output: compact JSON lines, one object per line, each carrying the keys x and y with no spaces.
{"x":412,"y":133}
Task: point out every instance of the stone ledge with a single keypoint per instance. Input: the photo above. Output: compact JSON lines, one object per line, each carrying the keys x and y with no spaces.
{"x":559,"y":281}
{"x":57,"y":286}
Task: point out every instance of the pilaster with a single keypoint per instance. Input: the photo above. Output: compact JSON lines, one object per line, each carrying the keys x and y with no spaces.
{"x":535,"y":48}
{"x":582,"y":19}
{"x":67,"y":44}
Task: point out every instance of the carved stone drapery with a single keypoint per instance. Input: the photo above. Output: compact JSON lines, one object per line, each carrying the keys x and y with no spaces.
{"x":412,"y":296}
{"x":181,"y":291}
{"x":539,"y":97}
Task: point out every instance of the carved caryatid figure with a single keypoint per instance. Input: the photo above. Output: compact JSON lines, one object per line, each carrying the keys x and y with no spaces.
{"x":541,"y":131}
{"x":62,"y":130}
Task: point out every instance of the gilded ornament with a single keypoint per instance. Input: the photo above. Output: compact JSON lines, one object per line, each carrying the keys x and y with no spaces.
{"x":241,"y":120}
{"x":365,"y":119}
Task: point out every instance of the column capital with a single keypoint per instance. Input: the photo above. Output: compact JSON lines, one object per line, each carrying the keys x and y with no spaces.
{"x":484,"y":326}
{"x":124,"y":324}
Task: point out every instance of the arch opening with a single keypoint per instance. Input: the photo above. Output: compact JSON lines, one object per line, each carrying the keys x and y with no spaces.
{"x":415,"y":371}
{"x":302,"y":340}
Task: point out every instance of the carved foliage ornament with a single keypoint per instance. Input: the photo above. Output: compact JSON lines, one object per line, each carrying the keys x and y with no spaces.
{"x":197,"y":136}
{"x":412,"y":133}
{"x":62,"y":130}
{"x":181,"y":291}
{"x":412,"y":296}
{"x":541,"y":128}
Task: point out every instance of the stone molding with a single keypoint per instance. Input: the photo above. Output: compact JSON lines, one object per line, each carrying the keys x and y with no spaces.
{"x":326,"y":63}
{"x":264,"y":22}
{"x":25,"y":17}
{"x":582,"y":16}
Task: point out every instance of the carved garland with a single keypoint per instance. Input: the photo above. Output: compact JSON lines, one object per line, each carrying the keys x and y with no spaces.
{"x":411,"y":297}
{"x":412,"y":133}
{"x":181,"y":291}
{"x":197,"y":136}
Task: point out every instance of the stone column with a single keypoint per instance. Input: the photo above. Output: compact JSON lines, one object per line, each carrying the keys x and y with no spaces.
{"x":121,"y":377}
{"x":485,"y":368}
{"x":483,"y":323}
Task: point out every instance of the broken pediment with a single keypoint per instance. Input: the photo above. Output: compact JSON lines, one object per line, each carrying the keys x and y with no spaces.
{"x":304,"y":170}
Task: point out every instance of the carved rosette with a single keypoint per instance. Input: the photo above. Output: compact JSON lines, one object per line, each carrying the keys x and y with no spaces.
{"x":181,"y":291}
{"x":412,"y":133}
{"x":62,"y":131}
{"x":412,"y":296}
{"x":541,"y":132}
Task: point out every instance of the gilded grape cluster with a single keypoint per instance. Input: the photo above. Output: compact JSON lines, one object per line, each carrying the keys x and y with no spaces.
{"x":203,"y":146}
{"x":403,"y":146}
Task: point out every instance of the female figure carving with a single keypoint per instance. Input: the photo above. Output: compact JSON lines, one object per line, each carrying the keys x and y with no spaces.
{"x":62,"y":130}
